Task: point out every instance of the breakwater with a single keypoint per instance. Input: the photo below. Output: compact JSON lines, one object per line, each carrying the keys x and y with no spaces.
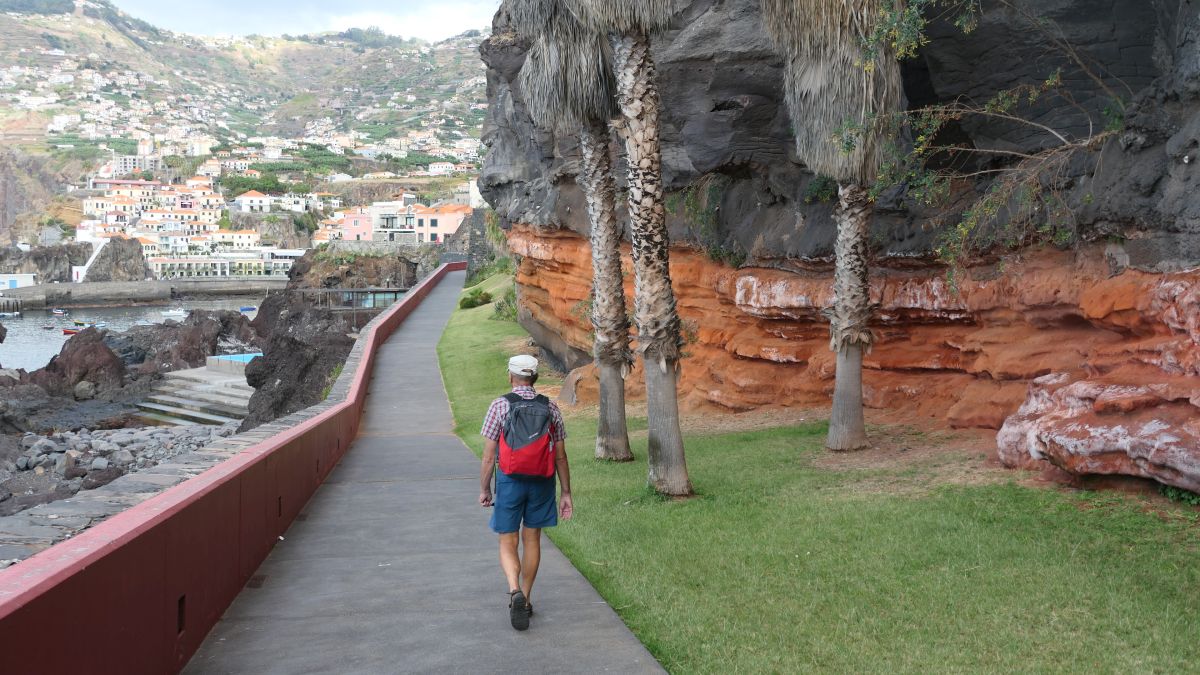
{"x":107,"y":293}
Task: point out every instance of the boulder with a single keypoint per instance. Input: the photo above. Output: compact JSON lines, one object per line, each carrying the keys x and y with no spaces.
{"x":99,"y":464}
{"x":85,"y":391}
{"x":1108,"y":427}
{"x":121,"y":260}
{"x":161,"y":348}
{"x":305,"y":347}
{"x":122,"y":458}
{"x":83,"y":357}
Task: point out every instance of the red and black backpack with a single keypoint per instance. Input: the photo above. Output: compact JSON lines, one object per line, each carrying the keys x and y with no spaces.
{"x":526,"y":450}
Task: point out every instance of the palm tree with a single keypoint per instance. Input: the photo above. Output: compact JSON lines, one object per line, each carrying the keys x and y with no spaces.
{"x":832,"y":86}
{"x":628,"y":24}
{"x":568,"y":84}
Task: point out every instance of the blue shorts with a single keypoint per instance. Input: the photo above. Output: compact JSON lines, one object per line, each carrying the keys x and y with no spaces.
{"x":528,"y":500}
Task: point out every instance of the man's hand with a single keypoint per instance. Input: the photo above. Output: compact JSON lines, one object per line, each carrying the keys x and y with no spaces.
{"x":566,"y":507}
{"x":485,"y":498}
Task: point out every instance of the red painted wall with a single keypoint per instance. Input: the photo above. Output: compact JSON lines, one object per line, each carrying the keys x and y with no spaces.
{"x":138,"y":592}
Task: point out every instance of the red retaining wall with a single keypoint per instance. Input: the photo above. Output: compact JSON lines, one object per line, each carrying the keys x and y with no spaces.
{"x":138,"y":592}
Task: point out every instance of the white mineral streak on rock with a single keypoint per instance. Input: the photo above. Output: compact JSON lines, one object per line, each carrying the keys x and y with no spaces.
{"x":1060,"y":424}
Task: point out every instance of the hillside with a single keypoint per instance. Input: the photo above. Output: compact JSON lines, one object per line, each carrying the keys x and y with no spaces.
{"x":56,"y":62}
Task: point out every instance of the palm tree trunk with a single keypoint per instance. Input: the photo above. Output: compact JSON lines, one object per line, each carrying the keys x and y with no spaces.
{"x":610,"y":345}
{"x":849,"y":331}
{"x":659,"y":334}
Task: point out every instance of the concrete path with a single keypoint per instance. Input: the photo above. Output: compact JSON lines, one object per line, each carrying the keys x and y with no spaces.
{"x":391,"y":567}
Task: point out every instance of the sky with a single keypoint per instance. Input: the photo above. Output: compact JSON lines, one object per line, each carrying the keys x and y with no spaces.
{"x":428,"y":19}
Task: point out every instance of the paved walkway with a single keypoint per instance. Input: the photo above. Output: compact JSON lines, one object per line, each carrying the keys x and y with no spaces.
{"x":391,"y":567}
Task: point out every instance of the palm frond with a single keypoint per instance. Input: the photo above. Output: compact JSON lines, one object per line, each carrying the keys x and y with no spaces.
{"x":529,"y":17}
{"x":623,"y":16}
{"x":830,"y":87}
{"x":568,"y":76}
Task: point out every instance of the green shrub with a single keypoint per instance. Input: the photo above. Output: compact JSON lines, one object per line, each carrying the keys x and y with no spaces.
{"x":506,"y":307}
{"x":1179,"y":495}
{"x":475,"y":298}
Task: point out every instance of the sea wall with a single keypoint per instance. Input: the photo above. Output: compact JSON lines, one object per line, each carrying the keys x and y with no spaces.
{"x":106,"y":293}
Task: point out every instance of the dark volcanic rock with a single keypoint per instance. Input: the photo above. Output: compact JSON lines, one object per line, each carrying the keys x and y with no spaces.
{"x":50,"y":263}
{"x":121,"y":260}
{"x":84,"y":357}
{"x":161,"y":348}
{"x":724,"y":121}
{"x":306,"y":346}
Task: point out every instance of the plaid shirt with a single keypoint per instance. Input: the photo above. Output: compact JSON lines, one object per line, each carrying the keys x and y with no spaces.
{"x":497,"y":415}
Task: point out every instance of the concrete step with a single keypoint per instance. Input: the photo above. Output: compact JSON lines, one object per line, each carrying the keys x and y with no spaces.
{"x":222,"y":395}
{"x":210,"y":378}
{"x":163,"y":420}
{"x":205,"y":393}
{"x":185,"y":414}
{"x":213,"y":407}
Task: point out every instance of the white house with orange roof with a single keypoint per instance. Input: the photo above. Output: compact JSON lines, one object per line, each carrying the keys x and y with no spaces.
{"x":149,"y":246}
{"x":199,"y":181}
{"x":254,"y":202}
{"x":210,"y":169}
{"x":237,"y":238}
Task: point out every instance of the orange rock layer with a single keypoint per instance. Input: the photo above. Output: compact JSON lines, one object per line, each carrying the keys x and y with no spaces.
{"x":964,"y":356}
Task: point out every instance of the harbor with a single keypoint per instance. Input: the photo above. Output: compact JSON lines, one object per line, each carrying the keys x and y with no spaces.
{"x":37,"y":335}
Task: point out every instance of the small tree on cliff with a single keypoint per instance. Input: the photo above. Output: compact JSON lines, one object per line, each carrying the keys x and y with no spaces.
{"x":831,"y":82}
{"x":568,"y":83}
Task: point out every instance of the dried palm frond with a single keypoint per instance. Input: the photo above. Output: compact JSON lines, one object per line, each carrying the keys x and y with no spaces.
{"x":623,"y":16}
{"x":529,"y":17}
{"x":832,"y":90}
{"x":568,"y":76}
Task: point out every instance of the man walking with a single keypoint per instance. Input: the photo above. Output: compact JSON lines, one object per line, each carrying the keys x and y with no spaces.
{"x":526,"y":438}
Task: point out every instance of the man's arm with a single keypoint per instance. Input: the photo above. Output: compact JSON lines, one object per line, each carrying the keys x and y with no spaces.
{"x":486,"y":467}
{"x":564,"y":479}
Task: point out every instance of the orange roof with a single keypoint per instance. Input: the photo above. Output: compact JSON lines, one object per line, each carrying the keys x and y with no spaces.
{"x":147,"y":241}
{"x":252,"y":193}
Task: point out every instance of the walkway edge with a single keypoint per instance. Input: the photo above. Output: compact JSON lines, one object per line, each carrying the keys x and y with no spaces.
{"x":148,"y":584}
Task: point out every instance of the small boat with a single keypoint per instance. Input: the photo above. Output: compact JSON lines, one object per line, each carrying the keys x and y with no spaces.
{"x":99,"y":325}
{"x":9,"y":315}
{"x":57,"y":311}
{"x":49,"y":326}
{"x":70,"y":331}
{"x":247,"y":308}
{"x":77,"y":322}
{"x":173,"y":313}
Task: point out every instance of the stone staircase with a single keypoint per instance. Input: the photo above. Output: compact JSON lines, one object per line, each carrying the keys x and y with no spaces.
{"x":197,"y":396}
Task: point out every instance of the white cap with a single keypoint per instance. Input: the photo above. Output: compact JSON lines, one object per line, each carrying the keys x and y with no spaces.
{"x":523,"y":365}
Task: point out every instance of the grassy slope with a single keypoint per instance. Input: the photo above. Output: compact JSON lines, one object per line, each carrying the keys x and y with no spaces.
{"x":783,"y":566}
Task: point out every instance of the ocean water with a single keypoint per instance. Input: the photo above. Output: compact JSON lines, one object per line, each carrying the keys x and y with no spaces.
{"x":30,"y":345}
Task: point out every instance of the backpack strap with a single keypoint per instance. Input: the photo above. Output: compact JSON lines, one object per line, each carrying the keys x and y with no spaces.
{"x":541,"y":398}
{"x":513,"y":397}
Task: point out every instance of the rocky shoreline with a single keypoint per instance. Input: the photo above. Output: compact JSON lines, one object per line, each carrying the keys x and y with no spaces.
{"x":47,"y":468}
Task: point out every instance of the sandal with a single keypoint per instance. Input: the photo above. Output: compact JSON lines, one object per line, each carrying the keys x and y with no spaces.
{"x":518,"y":610}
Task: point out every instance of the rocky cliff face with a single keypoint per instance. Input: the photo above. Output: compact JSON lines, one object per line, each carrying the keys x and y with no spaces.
{"x":1111,"y":320}
{"x":49,"y":263}
{"x":121,"y":260}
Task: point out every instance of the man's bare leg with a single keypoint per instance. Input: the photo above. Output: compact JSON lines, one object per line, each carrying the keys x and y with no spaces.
{"x":531,"y":557}
{"x":509,"y":561}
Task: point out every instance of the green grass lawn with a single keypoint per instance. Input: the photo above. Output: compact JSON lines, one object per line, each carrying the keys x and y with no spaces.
{"x":780,"y":565}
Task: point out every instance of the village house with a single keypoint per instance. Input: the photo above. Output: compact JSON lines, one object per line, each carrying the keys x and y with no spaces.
{"x":254,"y":202}
{"x":236,"y":238}
{"x":435,"y":224}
